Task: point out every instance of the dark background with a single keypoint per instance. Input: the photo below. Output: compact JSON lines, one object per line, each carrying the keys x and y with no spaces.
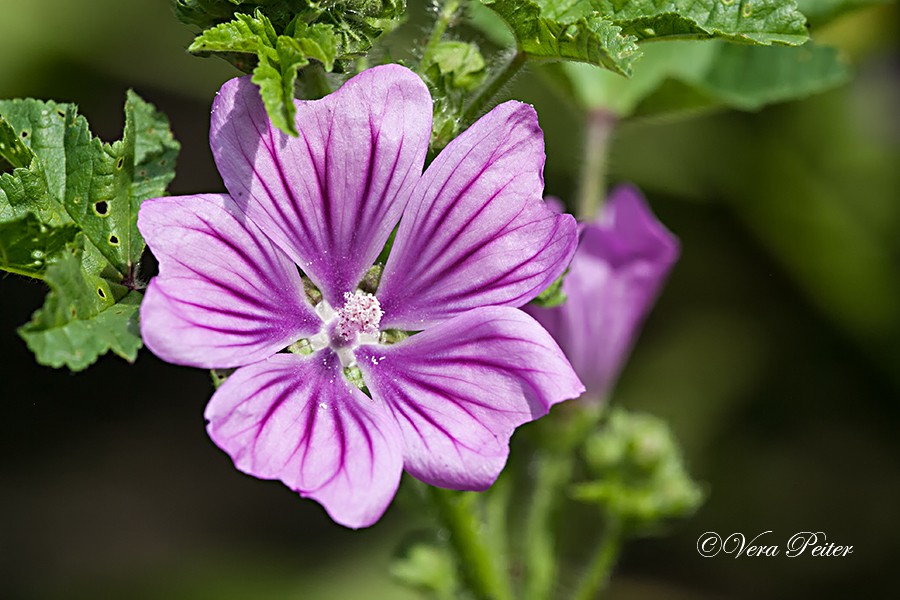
{"x":774,"y":351}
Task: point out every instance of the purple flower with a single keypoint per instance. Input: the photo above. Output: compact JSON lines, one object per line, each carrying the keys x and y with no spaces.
{"x":622,"y":261}
{"x":475,"y":241}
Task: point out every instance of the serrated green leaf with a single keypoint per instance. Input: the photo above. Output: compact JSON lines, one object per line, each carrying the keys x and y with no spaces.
{"x":749,"y":21}
{"x":686,"y":76}
{"x":105,"y":203}
{"x":41,"y":127}
{"x":76,"y":183}
{"x":80,"y":319}
{"x":549,"y":29}
{"x":456,"y":66}
{"x":452,"y":70}
{"x":244,"y":34}
{"x":27,"y":245}
{"x":25,"y":191}
{"x":356,"y":25}
{"x":278,"y":57}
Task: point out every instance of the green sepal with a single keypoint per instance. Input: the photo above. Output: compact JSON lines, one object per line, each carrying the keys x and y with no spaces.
{"x":392,"y":336}
{"x":81,"y":319}
{"x":220,"y":376}
{"x":301,"y":346}
{"x":27,"y":245}
{"x":552,"y":30}
{"x":553,"y":295}
{"x":355,"y":376}
{"x":371,"y":279}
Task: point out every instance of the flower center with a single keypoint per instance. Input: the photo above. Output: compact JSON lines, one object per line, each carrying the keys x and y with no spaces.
{"x":361,"y":314}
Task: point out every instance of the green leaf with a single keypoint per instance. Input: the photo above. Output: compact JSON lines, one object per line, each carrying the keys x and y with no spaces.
{"x":76,"y":183}
{"x":749,"y":21}
{"x":80,"y":319}
{"x":549,"y":29}
{"x":108,"y":185}
{"x":452,"y":70}
{"x":687,"y":76}
{"x":278,"y":57}
{"x":12,"y":148}
{"x":26,"y":245}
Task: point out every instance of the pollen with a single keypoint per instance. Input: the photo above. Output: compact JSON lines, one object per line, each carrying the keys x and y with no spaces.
{"x":361,"y":314}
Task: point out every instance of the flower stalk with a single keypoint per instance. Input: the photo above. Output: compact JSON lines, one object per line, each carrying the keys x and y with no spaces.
{"x":552,"y":477}
{"x":479,"y":568}
{"x":440,"y":27}
{"x":592,"y":188}
{"x":596,"y":578}
{"x":477,"y":106}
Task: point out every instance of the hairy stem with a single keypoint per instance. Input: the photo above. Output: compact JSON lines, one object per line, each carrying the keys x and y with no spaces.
{"x":592,"y":190}
{"x":596,"y":577}
{"x":491,"y":89}
{"x":440,"y":26}
{"x":553,"y":473}
{"x":554,"y":466}
{"x":478,"y":565}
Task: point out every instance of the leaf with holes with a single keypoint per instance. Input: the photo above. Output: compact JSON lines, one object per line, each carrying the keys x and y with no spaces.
{"x":80,"y":319}
{"x":26,"y":245}
{"x":554,"y":30}
{"x":748,"y":21}
{"x":122,"y":175}
{"x":64,"y":182}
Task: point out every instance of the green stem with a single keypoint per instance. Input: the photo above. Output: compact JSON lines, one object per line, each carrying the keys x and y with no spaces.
{"x":596,"y":577}
{"x":553,"y":472}
{"x":437,"y":33}
{"x":554,"y":466}
{"x":491,"y":89}
{"x":479,"y":569}
{"x":592,"y":192}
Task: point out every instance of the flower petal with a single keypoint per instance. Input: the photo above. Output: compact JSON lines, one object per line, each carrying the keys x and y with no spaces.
{"x":618,"y":270}
{"x":331,"y":197}
{"x":476,"y":232}
{"x":460,"y":388}
{"x":298,"y":419}
{"x":225,"y":296}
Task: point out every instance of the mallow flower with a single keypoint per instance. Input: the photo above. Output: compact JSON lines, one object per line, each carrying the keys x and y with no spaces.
{"x":474,"y":242}
{"x":623,"y":259}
